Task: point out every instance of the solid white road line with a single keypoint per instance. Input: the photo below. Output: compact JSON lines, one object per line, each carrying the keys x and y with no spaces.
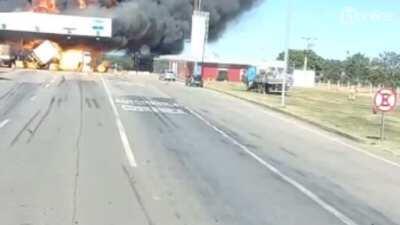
{"x":334,"y":139}
{"x":4,"y":123}
{"x":121,"y":128}
{"x":343,"y":218}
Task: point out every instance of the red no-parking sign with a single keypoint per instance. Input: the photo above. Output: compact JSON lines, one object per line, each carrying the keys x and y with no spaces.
{"x":385,"y":100}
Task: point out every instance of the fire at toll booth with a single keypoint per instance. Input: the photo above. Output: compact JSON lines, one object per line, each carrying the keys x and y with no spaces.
{"x":41,"y":38}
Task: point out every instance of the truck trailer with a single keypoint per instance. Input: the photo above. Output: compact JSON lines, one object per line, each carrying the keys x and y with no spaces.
{"x":267,"y":79}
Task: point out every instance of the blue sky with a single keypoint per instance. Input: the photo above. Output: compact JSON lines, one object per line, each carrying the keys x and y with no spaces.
{"x":340,"y":26}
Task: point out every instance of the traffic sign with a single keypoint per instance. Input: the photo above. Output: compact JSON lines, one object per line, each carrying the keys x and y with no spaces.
{"x":385,"y":100}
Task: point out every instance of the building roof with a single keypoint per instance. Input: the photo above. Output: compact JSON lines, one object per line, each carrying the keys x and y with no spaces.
{"x":214,"y":58}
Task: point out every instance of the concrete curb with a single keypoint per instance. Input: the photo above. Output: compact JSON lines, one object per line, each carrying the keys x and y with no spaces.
{"x":321,"y":126}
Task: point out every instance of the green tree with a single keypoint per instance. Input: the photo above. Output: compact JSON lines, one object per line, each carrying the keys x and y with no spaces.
{"x":389,"y":66}
{"x":333,"y":70}
{"x":357,"y":68}
{"x":376,"y":74}
{"x":296,"y":59}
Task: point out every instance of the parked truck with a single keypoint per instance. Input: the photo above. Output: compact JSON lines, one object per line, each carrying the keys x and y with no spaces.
{"x":7,"y":58}
{"x":266,"y":79}
{"x":195,"y":79}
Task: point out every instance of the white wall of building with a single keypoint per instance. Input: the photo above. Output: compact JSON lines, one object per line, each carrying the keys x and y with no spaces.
{"x":199,"y":37}
{"x":303,"y":78}
{"x":173,"y":67}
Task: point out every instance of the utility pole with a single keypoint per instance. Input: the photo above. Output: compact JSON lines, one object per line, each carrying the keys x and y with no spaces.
{"x":287,"y":43}
{"x":197,"y":5}
{"x":309,"y":45}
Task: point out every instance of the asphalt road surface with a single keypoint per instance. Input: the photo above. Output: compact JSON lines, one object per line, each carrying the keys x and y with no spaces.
{"x":118,"y":150}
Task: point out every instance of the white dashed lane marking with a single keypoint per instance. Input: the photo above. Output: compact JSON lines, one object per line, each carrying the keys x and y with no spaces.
{"x":121,"y":128}
{"x":4,"y":123}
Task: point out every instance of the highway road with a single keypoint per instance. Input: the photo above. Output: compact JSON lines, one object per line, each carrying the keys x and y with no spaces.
{"x":119,"y":150}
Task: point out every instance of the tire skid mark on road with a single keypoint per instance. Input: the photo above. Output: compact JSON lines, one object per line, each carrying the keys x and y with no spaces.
{"x":155,"y":112}
{"x":59,"y":101}
{"x":12,"y":103}
{"x":27,"y":124}
{"x":62,"y":81}
{"x":162,"y":114}
{"x":21,"y":92}
{"x":42,"y":119}
{"x":96,"y":103}
{"x":67,"y":89}
{"x":45,"y":83}
{"x":63,"y":89}
{"x":10,"y":91}
{"x":77,"y":161}
{"x":90,"y":93}
{"x":137,"y":195}
{"x":88,"y":102}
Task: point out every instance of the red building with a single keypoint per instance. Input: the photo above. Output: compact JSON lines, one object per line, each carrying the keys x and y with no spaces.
{"x":212,"y":69}
{"x":229,"y":72}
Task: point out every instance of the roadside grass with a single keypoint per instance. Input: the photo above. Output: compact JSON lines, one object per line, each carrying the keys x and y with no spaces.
{"x":330,"y":109}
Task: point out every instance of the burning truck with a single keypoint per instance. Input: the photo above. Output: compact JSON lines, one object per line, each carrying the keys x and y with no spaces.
{"x":42,"y":38}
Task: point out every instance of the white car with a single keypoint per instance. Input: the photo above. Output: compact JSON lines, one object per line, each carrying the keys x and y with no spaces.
{"x":168,"y":76}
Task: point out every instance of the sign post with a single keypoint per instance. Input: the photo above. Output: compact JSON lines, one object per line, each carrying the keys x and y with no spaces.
{"x":385,"y":100}
{"x":382,"y":133}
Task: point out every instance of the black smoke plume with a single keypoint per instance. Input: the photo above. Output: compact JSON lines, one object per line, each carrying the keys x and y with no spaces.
{"x":161,"y":25}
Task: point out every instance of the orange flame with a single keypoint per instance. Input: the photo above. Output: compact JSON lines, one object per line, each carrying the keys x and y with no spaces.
{"x":50,"y":6}
{"x":29,"y":45}
{"x":82,"y":4}
{"x":44,"y":6}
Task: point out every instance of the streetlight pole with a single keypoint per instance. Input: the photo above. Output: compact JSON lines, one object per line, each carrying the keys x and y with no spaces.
{"x":309,"y":44}
{"x":287,"y":43}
